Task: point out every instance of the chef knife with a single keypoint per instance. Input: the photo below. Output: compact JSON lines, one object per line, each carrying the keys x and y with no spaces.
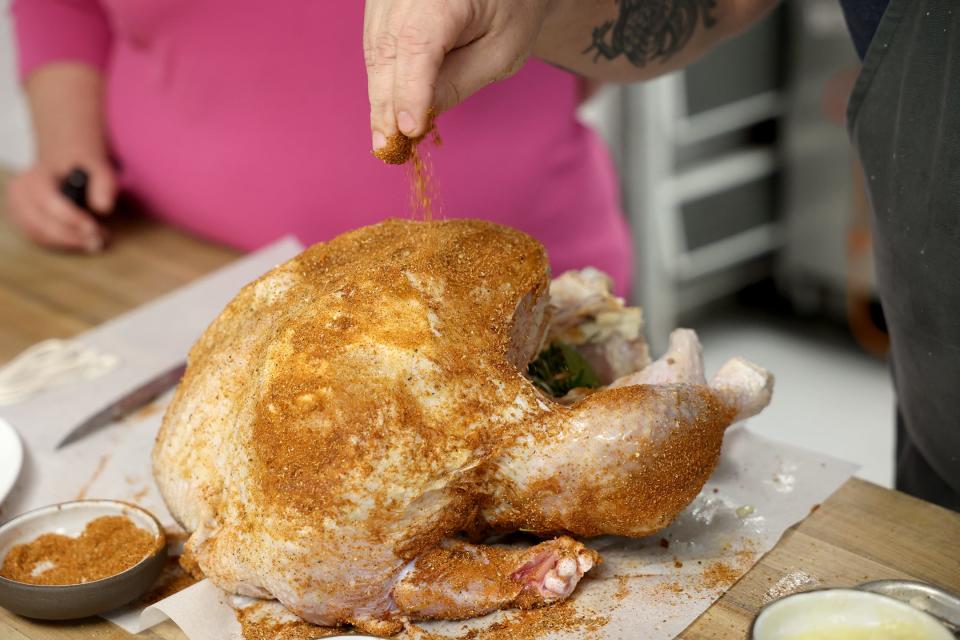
{"x":147,"y":341}
{"x":128,"y":403}
{"x":74,"y":187}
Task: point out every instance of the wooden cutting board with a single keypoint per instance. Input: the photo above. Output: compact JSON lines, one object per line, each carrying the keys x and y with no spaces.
{"x":861,"y":533}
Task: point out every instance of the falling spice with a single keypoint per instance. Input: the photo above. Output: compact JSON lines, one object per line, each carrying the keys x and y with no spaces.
{"x":107,"y":546}
{"x":423,"y":190}
{"x":399,"y":150}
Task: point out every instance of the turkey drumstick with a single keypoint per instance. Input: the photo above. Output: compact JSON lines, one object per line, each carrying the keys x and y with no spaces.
{"x":626,"y":459}
{"x":458,"y":580}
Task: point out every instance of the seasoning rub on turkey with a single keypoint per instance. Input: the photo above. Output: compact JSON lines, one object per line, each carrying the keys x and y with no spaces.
{"x":357,"y":412}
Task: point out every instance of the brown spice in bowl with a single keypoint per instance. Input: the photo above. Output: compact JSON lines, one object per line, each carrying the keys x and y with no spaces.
{"x":108,"y":545}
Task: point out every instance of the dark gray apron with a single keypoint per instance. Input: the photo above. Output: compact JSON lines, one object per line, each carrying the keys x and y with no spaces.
{"x":904,"y":118}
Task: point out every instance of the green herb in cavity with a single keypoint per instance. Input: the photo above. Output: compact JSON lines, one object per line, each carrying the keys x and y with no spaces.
{"x":560,"y":368}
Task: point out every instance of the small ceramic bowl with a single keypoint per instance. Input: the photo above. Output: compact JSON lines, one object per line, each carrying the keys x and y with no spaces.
{"x":72,"y":601}
{"x":844,"y":613}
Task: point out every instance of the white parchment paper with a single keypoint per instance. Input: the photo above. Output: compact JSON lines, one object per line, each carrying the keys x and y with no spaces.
{"x":146,"y":341}
{"x":651,"y":588}
{"x":114,"y":462}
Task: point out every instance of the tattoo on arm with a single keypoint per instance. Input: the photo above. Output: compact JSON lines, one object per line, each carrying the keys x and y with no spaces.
{"x":648,"y":30}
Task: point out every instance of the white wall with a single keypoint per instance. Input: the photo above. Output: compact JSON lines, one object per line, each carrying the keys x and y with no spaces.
{"x":16,"y":148}
{"x":603,"y":112}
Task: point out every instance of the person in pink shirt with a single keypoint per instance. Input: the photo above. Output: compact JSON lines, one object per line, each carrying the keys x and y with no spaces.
{"x":242,"y":121}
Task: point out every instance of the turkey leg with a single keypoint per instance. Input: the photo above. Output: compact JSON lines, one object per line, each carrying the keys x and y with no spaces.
{"x":626,"y":459}
{"x":458,"y":580}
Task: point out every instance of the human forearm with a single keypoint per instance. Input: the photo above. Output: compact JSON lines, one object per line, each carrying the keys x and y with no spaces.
{"x":436,"y":53}
{"x":62,"y":46}
{"x":66,"y":107}
{"x":631,"y":40}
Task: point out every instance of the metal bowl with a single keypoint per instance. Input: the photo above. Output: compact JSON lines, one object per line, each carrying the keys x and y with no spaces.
{"x":72,"y":601}
{"x":941,"y":604}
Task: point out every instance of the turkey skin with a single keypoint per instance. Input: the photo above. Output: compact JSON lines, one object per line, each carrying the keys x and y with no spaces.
{"x":355,"y":412}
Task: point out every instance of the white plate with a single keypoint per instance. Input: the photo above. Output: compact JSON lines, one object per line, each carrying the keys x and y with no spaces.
{"x":11,"y":458}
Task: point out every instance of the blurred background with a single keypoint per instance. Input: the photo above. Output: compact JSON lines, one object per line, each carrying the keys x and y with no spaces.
{"x":747,"y":217}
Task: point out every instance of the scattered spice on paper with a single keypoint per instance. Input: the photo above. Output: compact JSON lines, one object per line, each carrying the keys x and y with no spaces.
{"x":720,"y":575}
{"x":530,"y":624}
{"x":258,"y":623}
{"x":101,"y":465}
{"x":623,"y":588}
{"x":172,"y":580}
{"x":671,"y":593}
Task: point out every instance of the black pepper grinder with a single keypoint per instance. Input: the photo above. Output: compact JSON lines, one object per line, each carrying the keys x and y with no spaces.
{"x":74,"y":187}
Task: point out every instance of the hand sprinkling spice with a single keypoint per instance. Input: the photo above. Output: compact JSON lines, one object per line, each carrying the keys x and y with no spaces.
{"x":401,"y":149}
{"x":398,"y":150}
{"x":407,"y":382}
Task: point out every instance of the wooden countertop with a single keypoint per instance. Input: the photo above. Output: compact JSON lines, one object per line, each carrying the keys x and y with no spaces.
{"x":862,"y":532}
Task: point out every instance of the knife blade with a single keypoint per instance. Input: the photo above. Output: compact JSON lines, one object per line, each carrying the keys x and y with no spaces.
{"x":126,"y":404}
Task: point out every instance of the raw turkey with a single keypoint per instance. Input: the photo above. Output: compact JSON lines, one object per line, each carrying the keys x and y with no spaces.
{"x":357,"y":416}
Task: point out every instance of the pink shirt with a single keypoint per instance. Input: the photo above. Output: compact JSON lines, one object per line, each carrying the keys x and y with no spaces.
{"x":242,"y":121}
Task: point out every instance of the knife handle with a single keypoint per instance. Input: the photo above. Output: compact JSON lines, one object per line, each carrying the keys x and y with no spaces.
{"x":74,"y":187}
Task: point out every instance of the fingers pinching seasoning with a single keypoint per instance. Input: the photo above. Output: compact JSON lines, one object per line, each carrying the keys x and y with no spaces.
{"x":423,"y":53}
{"x":399,"y":147}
